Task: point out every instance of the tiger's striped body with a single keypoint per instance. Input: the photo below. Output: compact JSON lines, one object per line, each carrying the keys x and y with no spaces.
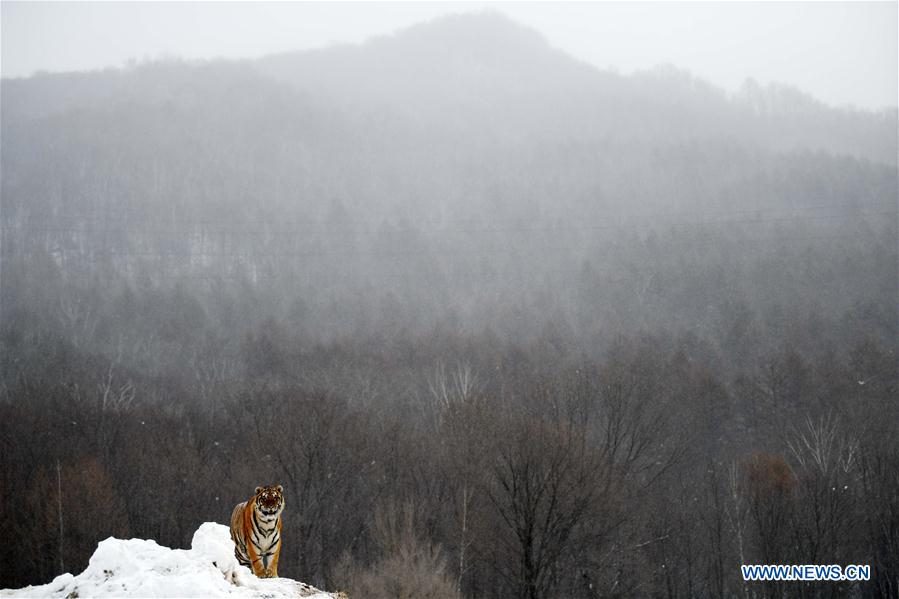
{"x":256,"y":531}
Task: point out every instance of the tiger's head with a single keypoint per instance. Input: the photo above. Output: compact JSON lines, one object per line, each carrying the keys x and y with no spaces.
{"x":270,"y":501}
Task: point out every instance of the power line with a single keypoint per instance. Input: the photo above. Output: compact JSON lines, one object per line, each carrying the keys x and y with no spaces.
{"x":249,"y":254}
{"x":379,"y":220}
{"x":557,"y":228}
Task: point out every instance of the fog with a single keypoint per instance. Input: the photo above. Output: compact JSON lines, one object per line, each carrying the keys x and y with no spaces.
{"x":840,"y":52}
{"x":502,"y":322}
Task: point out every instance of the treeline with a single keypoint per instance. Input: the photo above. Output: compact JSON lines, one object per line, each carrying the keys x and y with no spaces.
{"x":449,"y":463}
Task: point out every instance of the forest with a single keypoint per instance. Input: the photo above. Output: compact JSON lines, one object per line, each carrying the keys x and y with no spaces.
{"x":501,"y":323}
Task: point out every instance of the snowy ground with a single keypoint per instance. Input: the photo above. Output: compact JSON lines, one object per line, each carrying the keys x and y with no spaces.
{"x":139,"y":568}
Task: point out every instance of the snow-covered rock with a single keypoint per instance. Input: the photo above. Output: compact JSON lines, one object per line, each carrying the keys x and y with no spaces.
{"x":142,"y":568}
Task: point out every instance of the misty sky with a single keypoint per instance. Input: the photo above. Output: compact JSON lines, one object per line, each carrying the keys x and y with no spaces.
{"x":842,"y":53}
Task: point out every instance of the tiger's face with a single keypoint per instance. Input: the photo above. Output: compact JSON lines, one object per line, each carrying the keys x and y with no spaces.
{"x":270,"y":500}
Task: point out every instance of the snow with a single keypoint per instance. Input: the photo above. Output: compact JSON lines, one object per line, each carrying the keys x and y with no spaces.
{"x":142,"y":568}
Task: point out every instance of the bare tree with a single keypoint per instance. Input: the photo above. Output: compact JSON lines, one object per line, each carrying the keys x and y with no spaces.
{"x":410,"y":566}
{"x":828,"y":482}
{"x":465,"y":429}
{"x":79,"y":317}
{"x":820,"y":446}
{"x":112,"y":396}
{"x":545,"y":481}
{"x":737,"y":511}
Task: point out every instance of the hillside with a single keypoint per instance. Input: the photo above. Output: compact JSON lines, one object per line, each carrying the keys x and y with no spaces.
{"x":467,"y":117}
{"x":478,"y":73}
{"x":484,"y":74}
{"x":466,"y":151}
{"x":431,"y":152}
{"x":141,"y":568}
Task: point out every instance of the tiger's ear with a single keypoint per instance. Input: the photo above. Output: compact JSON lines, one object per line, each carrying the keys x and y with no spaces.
{"x":258,"y":490}
{"x":280,"y":489}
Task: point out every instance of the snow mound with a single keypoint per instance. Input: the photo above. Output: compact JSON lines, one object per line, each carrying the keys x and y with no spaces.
{"x":142,"y":568}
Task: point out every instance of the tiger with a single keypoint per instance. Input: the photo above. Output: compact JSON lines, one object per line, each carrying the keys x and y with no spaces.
{"x":256,"y":531}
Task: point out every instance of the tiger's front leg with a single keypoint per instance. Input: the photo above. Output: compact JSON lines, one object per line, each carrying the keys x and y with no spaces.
{"x":274,"y":568}
{"x":256,"y":564}
{"x":259,"y":570}
{"x":270,"y":566}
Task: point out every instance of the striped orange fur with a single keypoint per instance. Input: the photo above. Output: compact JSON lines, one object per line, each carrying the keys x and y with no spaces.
{"x":256,"y":531}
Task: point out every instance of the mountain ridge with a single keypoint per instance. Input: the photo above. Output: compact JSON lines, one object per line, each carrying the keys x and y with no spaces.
{"x":477,"y":75}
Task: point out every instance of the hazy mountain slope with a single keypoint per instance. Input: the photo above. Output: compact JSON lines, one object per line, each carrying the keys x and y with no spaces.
{"x":457,"y":116}
{"x":485,"y":74}
{"x":465,"y":152}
